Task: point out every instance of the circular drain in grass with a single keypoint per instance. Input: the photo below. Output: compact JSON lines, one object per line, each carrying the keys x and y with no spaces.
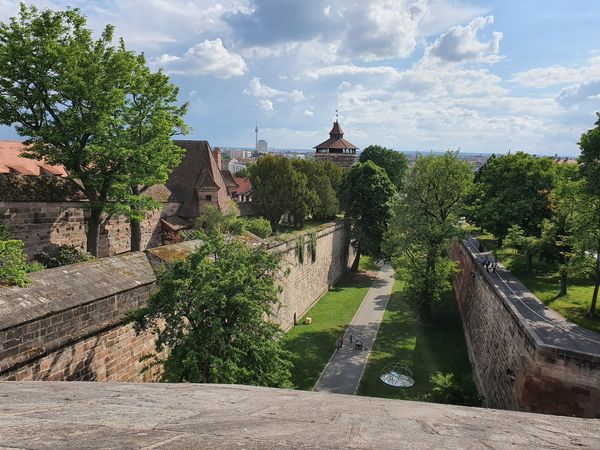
{"x":397,"y":375}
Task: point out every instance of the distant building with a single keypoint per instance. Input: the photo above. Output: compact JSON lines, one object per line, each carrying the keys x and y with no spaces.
{"x":239,"y":154}
{"x":235,"y":166}
{"x":262,"y":146}
{"x":337,"y":149}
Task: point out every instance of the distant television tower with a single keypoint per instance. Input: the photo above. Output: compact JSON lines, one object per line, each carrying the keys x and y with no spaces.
{"x":256,"y":141}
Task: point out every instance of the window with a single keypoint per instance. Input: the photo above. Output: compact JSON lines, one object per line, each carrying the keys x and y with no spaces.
{"x":209,"y":198}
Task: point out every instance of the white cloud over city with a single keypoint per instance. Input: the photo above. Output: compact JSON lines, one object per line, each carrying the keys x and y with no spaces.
{"x":411,"y":74}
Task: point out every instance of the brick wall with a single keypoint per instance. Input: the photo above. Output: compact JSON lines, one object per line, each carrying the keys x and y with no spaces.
{"x":524,"y":356}
{"x":38,"y":224}
{"x":66,"y":325}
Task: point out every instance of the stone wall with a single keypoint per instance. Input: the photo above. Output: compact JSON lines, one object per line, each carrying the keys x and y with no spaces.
{"x":67,"y":324}
{"x":525,"y":356}
{"x":38,"y":224}
{"x":308,"y":280}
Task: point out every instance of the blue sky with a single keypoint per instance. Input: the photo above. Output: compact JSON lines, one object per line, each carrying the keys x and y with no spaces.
{"x":487,"y":76}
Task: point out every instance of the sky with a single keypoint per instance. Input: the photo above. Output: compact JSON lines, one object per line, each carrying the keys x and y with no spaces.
{"x":479,"y":76}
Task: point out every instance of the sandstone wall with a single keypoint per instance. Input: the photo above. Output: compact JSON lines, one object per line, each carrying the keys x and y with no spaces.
{"x":67,"y":324}
{"x":308,"y":280}
{"x":38,"y":224}
{"x":524,"y":356}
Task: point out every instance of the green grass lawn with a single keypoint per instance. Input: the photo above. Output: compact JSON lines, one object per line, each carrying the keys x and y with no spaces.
{"x":545,"y":284}
{"x":312,"y":345}
{"x":366,"y":263}
{"x":424,"y":349}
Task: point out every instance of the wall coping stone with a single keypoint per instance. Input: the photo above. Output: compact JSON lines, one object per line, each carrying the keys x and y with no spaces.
{"x":62,"y":288}
{"x":71,"y":414}
{"x":552,"y":333}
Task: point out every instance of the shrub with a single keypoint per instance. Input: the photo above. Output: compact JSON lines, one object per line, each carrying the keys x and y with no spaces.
{"x":61,"y":255}
{"x":447,"y":389}
{"x":259,"y":226}
{"x":13,"y":263}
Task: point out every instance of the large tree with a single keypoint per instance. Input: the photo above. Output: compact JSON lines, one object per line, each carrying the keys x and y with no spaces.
{"x":151,"y":117}
{"x":322,"y":196}
{"x":210,"y":315}
{"x":368,"y":193}
{"x":589,"y":211}
{"x":394,"y":163}
{"x":423,"y":222}
{"x":273,"y":179}
{"x":513,"y":190}
{"x":69,"y":94}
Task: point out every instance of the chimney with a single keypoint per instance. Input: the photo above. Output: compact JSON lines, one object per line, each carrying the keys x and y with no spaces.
{"x":217,"y":155}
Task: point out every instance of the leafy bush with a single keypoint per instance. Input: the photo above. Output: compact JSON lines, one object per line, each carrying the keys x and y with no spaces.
{"x":447,"y":389}
{"x":13,"y":263}
{"x":5,"y":234}
{"x":61,"y":255}
{"x":259,"y":226}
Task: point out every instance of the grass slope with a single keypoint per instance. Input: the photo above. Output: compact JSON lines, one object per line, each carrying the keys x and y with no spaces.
{"x":312,"y":345}
{"x":403,"y":339}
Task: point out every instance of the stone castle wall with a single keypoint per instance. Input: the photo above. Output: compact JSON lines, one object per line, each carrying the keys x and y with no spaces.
{"x":67,"y":324}
{"x":525,"y":357}
{"x":38,"y":224}
{"x":308,"y":280}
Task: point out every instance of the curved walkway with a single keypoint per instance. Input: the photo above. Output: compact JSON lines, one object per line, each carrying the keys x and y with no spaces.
{"x":344,"y":370}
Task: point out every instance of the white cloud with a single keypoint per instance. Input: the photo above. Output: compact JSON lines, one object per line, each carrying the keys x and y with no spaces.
{"x":308,"y":113}
{"x":461,"y":44}
{"x":205,"y":58}
{"x":582,"y":93}
{"x":257,"y":89}
{"x":543,"y":77}
{"x":265,"y":105}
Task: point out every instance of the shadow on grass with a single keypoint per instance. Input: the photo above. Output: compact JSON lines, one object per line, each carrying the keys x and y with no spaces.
{"x":424,"y":349}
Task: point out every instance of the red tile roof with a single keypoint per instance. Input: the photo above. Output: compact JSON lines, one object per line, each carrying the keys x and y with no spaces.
{"x":11,"y":161}
{"x":244,"y":185}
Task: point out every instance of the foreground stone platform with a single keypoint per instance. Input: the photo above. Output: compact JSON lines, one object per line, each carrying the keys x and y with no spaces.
{"x":79,"y":415}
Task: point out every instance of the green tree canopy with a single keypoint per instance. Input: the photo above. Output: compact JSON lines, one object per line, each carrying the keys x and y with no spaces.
{"x":588,"y":217}
{"x":423,"y":222}
{"x":209,"y":317}
{"x":79,"y":102}
{"x":394,"y":163}
{"x":272,"y":186}
{"x":513,"y":190}
{"x":322,"y":198}
{"x":368,"y":193}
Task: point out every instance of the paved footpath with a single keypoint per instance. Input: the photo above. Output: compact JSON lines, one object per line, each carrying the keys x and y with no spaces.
{"x":344,"y":370}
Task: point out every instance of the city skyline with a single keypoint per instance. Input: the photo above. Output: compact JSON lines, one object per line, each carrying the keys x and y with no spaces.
{"x":415,"y":75}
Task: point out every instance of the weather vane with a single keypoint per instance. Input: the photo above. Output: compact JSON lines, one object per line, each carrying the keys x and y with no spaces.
{"x":336,"y":115}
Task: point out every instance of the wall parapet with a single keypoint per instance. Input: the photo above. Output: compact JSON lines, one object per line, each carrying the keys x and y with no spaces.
{"x":525,"y":356}
{"x":67,"y":324}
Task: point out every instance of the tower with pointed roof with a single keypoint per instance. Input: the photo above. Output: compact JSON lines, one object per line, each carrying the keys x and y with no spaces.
{"x":337,"y":149}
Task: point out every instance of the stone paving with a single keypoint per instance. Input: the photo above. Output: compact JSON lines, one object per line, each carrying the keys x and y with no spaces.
{"x":77,"y":415}
{"x":344,"y":370}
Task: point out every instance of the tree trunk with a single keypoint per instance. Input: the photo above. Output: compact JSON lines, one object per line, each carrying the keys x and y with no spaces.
{"x":135,"y":225}
{"x":425,"y":311}
{"x":596,"y":282}
{"x":93,"y":232}
{"x":500,"y":242}
{"x":563,"y":282}
{"x":136,"y":235}
{"x":356,"y":262}
{"x":529,"y":263}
